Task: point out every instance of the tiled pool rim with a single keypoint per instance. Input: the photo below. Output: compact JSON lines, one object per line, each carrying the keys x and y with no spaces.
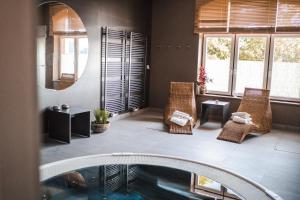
{"x":246,"y":188}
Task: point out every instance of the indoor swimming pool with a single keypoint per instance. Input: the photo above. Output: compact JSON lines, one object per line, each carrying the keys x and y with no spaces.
{"x":132,"y":182}
{"x":128,"y":176}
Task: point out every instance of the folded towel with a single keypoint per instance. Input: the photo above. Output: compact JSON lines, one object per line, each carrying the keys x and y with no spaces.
{"x":177,"y":113}
{"x":241,"y":120}
{"x":241,"y":114}
{"x":180,"y":118}
{"x":246,"y":118}
{"x":179,"y":121}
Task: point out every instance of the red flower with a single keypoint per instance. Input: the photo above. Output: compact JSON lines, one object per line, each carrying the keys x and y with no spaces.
{"x":202,"y":77}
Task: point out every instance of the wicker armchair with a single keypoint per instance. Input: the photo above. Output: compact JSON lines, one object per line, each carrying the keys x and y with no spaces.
{"x":256,"y":102}
{"x":182,"y":98}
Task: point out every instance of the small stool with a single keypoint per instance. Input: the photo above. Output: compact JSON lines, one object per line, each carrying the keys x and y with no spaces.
{"x":223,"y":105}
{"x":63,"y":123}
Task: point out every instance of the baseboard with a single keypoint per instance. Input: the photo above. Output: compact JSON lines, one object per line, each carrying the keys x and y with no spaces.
{"x":128,"y":114}
{"x":286,"y":127}
{"x":153,"y":109}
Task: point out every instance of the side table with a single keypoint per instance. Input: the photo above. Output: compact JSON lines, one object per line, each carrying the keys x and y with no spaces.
{"x":63,"y":123}
{"x":206,"y":105}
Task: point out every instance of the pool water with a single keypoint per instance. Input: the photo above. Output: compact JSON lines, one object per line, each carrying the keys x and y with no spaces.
{"x":122,"y":182}
{"x":94,"y":194}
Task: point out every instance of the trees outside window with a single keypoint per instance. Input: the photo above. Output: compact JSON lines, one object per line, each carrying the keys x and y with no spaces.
{"x":218,"y":62}
{"x":250,"y":62}
{"x":238,"y":61}
{"x":285,"y":69}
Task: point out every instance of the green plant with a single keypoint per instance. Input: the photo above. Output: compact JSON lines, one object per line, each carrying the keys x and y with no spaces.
{"x":219,"y":48}
{"x":101,"y":116}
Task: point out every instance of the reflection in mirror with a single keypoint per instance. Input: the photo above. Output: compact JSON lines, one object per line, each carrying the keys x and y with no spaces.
{"x":62,"y":46}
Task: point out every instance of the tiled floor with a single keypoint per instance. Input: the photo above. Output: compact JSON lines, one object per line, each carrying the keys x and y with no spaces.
{"x":272,"y":160}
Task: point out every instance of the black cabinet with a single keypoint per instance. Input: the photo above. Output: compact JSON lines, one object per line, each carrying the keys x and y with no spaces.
{"x":63,"y":123}
{"x":221,"y":105}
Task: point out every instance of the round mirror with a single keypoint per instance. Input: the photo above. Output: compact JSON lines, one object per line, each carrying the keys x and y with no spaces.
{"x":62,"y":46}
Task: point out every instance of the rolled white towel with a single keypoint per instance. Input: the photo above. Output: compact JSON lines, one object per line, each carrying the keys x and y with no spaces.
{"x":179,"y":120}
{"x":180,"y":114}
{"x":241,"y":114}
{"x":245,"y":118}
{"x":241,"y":120}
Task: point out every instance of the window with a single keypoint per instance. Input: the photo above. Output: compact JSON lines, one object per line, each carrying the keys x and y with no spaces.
{"x":250,"y":62}
{"x":285,"y":72}
{"x":82,"y":54}
{"x":67,"y":55}
{"x":73,"y":55}
{"x":41,"y":59}
{"x":262,"y":61}
{"x":70,"y":42}
{"x":218,"y":59}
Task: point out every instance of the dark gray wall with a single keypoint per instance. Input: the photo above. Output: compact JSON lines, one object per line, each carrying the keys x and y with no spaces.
{"x":173,"y":60}
{"x":173,"y":47}
{"x":19,"y":143}
{"x":131,"y":15}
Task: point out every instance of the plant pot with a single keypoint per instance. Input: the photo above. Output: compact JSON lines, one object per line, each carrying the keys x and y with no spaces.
{"x":99,"y":128}
{"x":202,"y":89}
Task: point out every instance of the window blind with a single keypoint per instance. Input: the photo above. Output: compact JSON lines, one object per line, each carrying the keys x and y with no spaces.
{"x":288,"y":17}
{"x":65,"y":19}
{"x":211,"y":15}
{"x":247,"y":16}
{"x":256,"y":15}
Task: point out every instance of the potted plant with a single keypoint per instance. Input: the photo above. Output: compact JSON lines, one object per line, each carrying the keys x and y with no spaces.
{"x":203,"y":79}
{"x":101,"y":122}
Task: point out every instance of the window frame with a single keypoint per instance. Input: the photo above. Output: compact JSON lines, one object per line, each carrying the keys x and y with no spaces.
{"x":268,"y":64}
{"x":271,"y":63}
{"x":60,"y":38}
{"x":236,"y":57}
{"x":76,"y":38}
{"x":204,"y":45}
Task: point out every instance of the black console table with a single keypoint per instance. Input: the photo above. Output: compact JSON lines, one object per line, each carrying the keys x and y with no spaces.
{"x":63,"y":123}
{"x":224,"y":106}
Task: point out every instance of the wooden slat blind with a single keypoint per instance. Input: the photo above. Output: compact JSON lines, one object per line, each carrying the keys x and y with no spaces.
{"x":255,"y":15}
{"x":65,"y":19}
{"x":288,"y":17}
{"x":247,"y":16}
{"x":211,"y":15}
